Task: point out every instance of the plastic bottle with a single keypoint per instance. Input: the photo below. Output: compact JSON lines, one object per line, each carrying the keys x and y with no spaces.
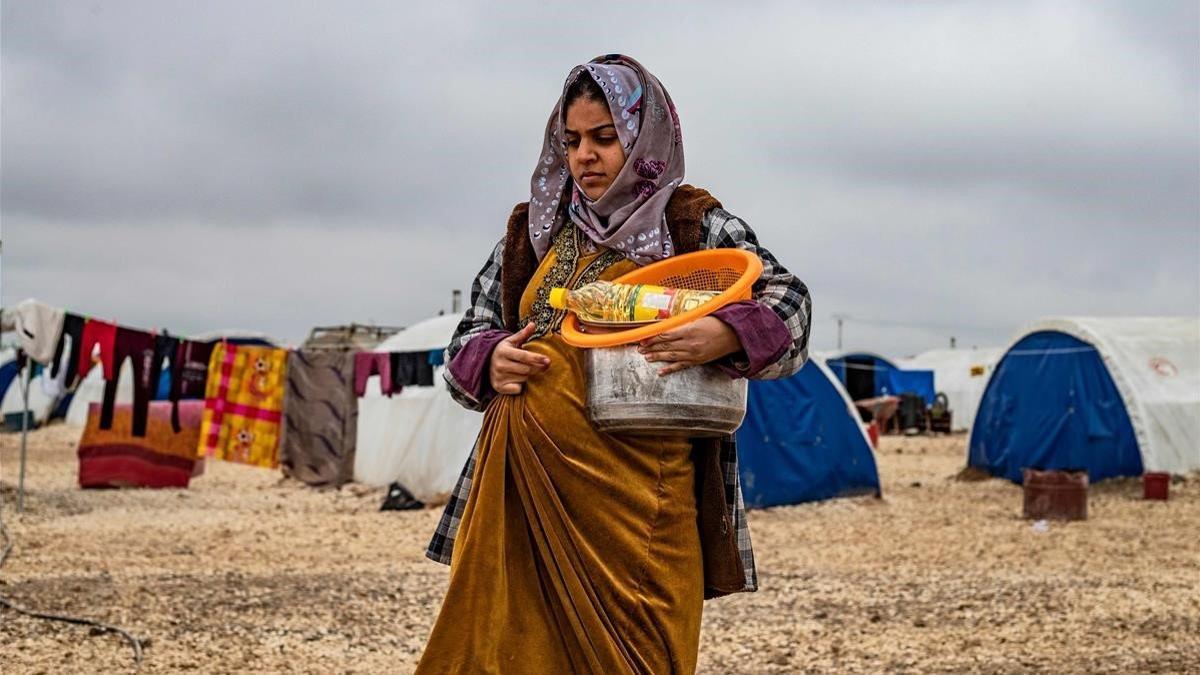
{"x":608,"y":302}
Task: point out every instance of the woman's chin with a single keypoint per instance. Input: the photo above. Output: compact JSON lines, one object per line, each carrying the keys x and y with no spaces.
{"x":594,"y":193}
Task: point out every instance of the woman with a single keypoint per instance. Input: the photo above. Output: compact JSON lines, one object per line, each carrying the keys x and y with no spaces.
{"x":575,"y":550}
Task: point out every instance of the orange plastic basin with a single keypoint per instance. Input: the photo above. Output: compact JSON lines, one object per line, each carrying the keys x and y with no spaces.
{"x":731,"y":271}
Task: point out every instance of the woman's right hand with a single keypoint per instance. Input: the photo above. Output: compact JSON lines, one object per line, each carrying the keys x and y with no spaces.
{"x":511,"y":366}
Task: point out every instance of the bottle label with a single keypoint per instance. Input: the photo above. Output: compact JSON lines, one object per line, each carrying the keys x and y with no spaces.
{"x":656,"y":300}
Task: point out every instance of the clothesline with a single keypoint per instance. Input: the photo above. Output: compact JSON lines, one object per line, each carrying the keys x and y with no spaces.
{"x":242,"y":385}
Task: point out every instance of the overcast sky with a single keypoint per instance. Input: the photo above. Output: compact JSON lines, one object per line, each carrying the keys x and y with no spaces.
{"x":928,"y":169}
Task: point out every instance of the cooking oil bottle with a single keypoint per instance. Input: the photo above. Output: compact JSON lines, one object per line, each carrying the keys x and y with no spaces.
{"x":608,"y":302}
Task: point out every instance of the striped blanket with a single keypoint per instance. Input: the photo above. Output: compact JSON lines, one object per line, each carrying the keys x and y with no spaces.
{"x":162,"y":458}
{"x":243,"y":404}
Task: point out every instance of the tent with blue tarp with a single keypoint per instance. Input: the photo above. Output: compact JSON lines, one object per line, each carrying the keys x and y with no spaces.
{"x":8,"y":371}
{"x":802,"y":441}
{"x":1112,"y":396}
{"x":867,"y":375}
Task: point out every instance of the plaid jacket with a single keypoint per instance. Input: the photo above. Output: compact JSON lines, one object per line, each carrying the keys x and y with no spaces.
{"x":777,"y":288}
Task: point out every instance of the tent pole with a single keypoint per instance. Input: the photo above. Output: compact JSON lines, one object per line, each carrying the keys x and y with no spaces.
{"x":25,"y":372}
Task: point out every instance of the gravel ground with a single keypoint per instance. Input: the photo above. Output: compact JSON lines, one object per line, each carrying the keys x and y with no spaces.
{"x":245,"y":571}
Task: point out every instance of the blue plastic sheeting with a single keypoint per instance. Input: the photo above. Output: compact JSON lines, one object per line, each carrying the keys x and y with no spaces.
{"x":8,"y":374}
{"x":1051,"y":404}
{"x":888,"y":379}
{"x":800,"y":443}
{"x":896,"y":382}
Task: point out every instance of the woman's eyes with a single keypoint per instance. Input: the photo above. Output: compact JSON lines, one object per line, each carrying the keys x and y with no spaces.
{"x":602,"y":140}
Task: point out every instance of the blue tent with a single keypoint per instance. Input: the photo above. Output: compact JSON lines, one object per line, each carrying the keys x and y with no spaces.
{"x":1052,"y":404}
{"x":1114,"y":396}
{"x":8,"y":374}
{"x":867,"y":375}
{"x":802,"y":441}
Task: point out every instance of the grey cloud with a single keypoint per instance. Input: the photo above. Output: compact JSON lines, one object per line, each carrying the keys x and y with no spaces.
{"x":930,"y":169}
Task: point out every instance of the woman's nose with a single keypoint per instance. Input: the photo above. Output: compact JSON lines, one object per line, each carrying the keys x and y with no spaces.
{"x":587,"y":151}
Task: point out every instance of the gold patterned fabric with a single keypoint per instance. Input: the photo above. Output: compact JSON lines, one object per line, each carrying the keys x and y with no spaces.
{"x":578,"y":551}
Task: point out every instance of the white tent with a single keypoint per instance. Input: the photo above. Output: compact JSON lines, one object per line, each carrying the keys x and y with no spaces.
{"x":13,"y":402}
{"x":420,"y":437}
{"x":959,"y":373}
{"x":1114,"y":395}
{"x":91,"y":390}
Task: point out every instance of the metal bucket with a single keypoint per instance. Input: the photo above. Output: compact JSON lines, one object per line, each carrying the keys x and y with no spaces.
{"x":1055,"y":495}
{"x":626,"y":395}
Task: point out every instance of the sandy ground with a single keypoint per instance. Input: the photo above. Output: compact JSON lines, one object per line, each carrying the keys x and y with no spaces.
{"x":246,"y":572}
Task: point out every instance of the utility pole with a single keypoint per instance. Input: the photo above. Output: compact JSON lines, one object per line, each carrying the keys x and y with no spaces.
{"x":455,"y":300}
{"x":840,"y":318}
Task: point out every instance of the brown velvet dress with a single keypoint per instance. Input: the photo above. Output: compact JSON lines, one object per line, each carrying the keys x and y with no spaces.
{"x":578,"y":551}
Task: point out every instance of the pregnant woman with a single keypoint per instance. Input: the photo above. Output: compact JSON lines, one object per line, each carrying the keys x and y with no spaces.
{"x":573,"y":550}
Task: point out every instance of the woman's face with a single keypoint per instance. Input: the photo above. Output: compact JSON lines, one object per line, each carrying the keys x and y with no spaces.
{"x":594,"y":153}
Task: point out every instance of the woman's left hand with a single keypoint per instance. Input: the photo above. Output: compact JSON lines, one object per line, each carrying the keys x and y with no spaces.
{"x":701,"y":341}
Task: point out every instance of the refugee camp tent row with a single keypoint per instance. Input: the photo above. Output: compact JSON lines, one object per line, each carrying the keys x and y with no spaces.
{"x":1112,"y":396}
{"x":960,"y":374}
{"x":801,"y":440}
{"x":868,"y":375}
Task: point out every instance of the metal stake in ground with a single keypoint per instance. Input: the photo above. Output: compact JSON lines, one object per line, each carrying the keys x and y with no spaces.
{"x":26,"y":370}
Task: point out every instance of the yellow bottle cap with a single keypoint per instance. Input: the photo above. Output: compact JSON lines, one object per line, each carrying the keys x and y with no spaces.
{"x":558,"y":298}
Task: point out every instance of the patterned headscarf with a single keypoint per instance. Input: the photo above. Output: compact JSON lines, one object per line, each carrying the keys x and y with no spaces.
{"x":629,"y":216}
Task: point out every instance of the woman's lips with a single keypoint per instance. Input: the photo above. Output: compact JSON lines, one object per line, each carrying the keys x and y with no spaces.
{"x":592,"y":177}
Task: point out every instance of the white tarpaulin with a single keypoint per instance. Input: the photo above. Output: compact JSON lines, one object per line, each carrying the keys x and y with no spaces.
{"x":961,"y":374}
{"x":420,"y":437}
{"x":40,"y":403}
{"x":1155,"y":364}
{"x":91,"y":390}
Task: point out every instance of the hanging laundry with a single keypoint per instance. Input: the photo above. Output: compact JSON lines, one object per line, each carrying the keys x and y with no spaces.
{"x":367,"y":364}
{"x":243,"y":404}
{"x":189,"y":373}
{"x":320,"y":418}
{"x":72,"y":328}
{"x":102,"y":334}
{"x":38,"y":326}
{"x":142,"y":349}
{"x":437,"y":357}
{"x":160,"y":458}
{"x":165,"y":348}
{"x":411,"y":369}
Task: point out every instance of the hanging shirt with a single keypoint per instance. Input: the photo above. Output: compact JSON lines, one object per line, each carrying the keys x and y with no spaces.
{"x":38,"y":325}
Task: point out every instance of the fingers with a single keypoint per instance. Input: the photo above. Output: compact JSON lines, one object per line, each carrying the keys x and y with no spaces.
{"x":509,"y":388}
{"x":525,"y":357}
{"x":673,"y":368}
{"x":521,"y":336}
{"x":668,"y":355}
{"x":672,"y":345}
{"x":661,"y":338}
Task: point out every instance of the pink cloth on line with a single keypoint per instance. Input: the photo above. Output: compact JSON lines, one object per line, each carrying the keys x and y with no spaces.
{"x":367,"y":364}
